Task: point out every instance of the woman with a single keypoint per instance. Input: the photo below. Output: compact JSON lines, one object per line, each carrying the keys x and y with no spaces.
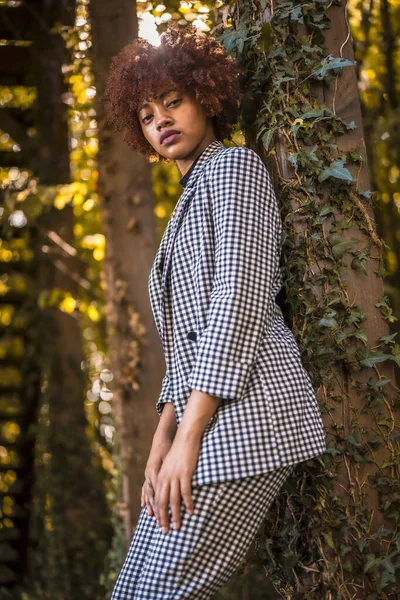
{"x":234,"y":381}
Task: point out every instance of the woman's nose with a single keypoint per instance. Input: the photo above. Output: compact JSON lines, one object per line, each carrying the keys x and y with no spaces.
{"x":162,"y":120}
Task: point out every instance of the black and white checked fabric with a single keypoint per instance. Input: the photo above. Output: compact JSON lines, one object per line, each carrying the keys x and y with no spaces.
{"x":192,"y":563}
{"x":212,"y":289}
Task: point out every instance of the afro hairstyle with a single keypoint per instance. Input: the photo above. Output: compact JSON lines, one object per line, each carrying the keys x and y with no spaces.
{"x":187,"y":58}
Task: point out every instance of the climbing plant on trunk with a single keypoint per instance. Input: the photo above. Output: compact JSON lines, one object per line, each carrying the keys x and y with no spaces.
{"x":334,"y":532}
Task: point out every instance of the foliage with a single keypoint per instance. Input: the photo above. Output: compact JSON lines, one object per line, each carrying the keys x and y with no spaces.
{"x":322,"y":541}
{"x":59,"y":558}
{"x":154,"y":16}
{"x":374,"y":28}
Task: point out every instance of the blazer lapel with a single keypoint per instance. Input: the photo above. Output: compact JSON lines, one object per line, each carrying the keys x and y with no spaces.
{"x":177,"y":217}
{"x":156,"y":275}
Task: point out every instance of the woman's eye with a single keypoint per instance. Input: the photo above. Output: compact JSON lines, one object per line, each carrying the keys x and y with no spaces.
{"x":172,"y":103}
{"x":177,"y":100}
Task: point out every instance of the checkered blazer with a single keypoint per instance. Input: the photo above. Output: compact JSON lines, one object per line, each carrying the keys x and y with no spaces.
{"x":212,"y":290}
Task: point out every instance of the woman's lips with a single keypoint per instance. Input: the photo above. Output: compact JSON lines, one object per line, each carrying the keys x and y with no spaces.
{"x":170,"y":139}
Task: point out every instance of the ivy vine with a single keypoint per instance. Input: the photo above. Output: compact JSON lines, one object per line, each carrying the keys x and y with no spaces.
{"x":334,"y":532}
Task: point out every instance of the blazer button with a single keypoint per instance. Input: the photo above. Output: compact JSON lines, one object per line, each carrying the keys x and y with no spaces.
{"x":192,"y":335}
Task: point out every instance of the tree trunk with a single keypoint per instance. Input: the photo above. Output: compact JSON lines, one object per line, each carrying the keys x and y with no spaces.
{"x":129,"y":227}
{"x":69,"y":483}
{"x":332,"y":264}
{"x":365,"y":290}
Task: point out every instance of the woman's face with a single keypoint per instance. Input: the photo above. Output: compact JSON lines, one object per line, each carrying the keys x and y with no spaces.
{"x":175,"y":124}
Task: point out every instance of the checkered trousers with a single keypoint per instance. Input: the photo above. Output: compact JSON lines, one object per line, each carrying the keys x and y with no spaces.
{"x":195,"y":561}
{"x":213,"y":288}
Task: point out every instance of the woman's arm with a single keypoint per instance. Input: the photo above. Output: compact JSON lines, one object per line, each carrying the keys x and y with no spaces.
{"x":167,"y":425}
{"x":161,"y":445}
{"x":247,"y":235}
{"x":198,"y":411}
{"x":174,"y":480}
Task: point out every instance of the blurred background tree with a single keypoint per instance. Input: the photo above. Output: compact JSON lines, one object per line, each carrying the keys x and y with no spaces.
{"x":375,"y":29}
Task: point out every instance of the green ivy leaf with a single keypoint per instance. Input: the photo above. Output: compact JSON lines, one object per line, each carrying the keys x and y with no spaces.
{"x":266,"y":38}
{"x":360,"y":334}
{"x":332,"y":451}
{"x":336,"y":170}
{"x":387,"y":422}
{"x":381,"y":383}
{"x":340,"y":248}
{"x":268,"y":137}
{"x":396,"y":354}
{"x":328,"y":323}
{"x":329,"y":540}
{"x":331,"y":62}
{"x":371,"y":360}
{"x":352,"y":440}
{"x":371,"y":561}
{"x":365,"y":193}
{"x":355,"y":316}
{"x":389,"y":565}
{"x":388,"y":338}
{"x":389,"y":463}
{"x":234,"y":39}
{"x":312,"y":114}
{"x":386,"y":309}
{"x":323,"y":214}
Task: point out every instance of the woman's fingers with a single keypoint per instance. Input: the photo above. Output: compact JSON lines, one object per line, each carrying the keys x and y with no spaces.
{"x":150,"y":510}
{"x":148,"y":496}
{"x":170,"y":493}
{"x":175,"y":501}
{"x":161,"y":503}
{"x":186,"y":490}
{"x":154,"y":501}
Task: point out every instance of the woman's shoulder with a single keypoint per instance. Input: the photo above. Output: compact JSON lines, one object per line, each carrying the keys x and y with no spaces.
{"x":237,"y":160}
{"x":240,"y":155}
{"x":237,"y":152}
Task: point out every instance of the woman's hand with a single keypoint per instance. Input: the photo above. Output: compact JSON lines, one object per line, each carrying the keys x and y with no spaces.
{"x":156,"y":458}
{"x":174,"y":482}
{"x":162,"y":442}
{"x":174,"y":479}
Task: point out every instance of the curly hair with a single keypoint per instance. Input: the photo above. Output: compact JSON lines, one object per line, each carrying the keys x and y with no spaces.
{"x":187,"y":58}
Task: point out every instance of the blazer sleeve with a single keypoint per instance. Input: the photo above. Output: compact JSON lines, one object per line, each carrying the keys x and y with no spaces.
{"x":246,"y":229}
{"x":165,"y":394}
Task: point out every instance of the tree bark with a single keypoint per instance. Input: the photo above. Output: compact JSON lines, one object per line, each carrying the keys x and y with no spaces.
{"x":352,"y":415}
{"x":129,"y":227}
{"x":74,"y":482}
{"x":365,"y":289}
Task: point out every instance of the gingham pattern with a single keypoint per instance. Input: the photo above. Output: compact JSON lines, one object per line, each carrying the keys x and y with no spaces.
{"x":215,"y":278}
{"x":196,"y":560}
